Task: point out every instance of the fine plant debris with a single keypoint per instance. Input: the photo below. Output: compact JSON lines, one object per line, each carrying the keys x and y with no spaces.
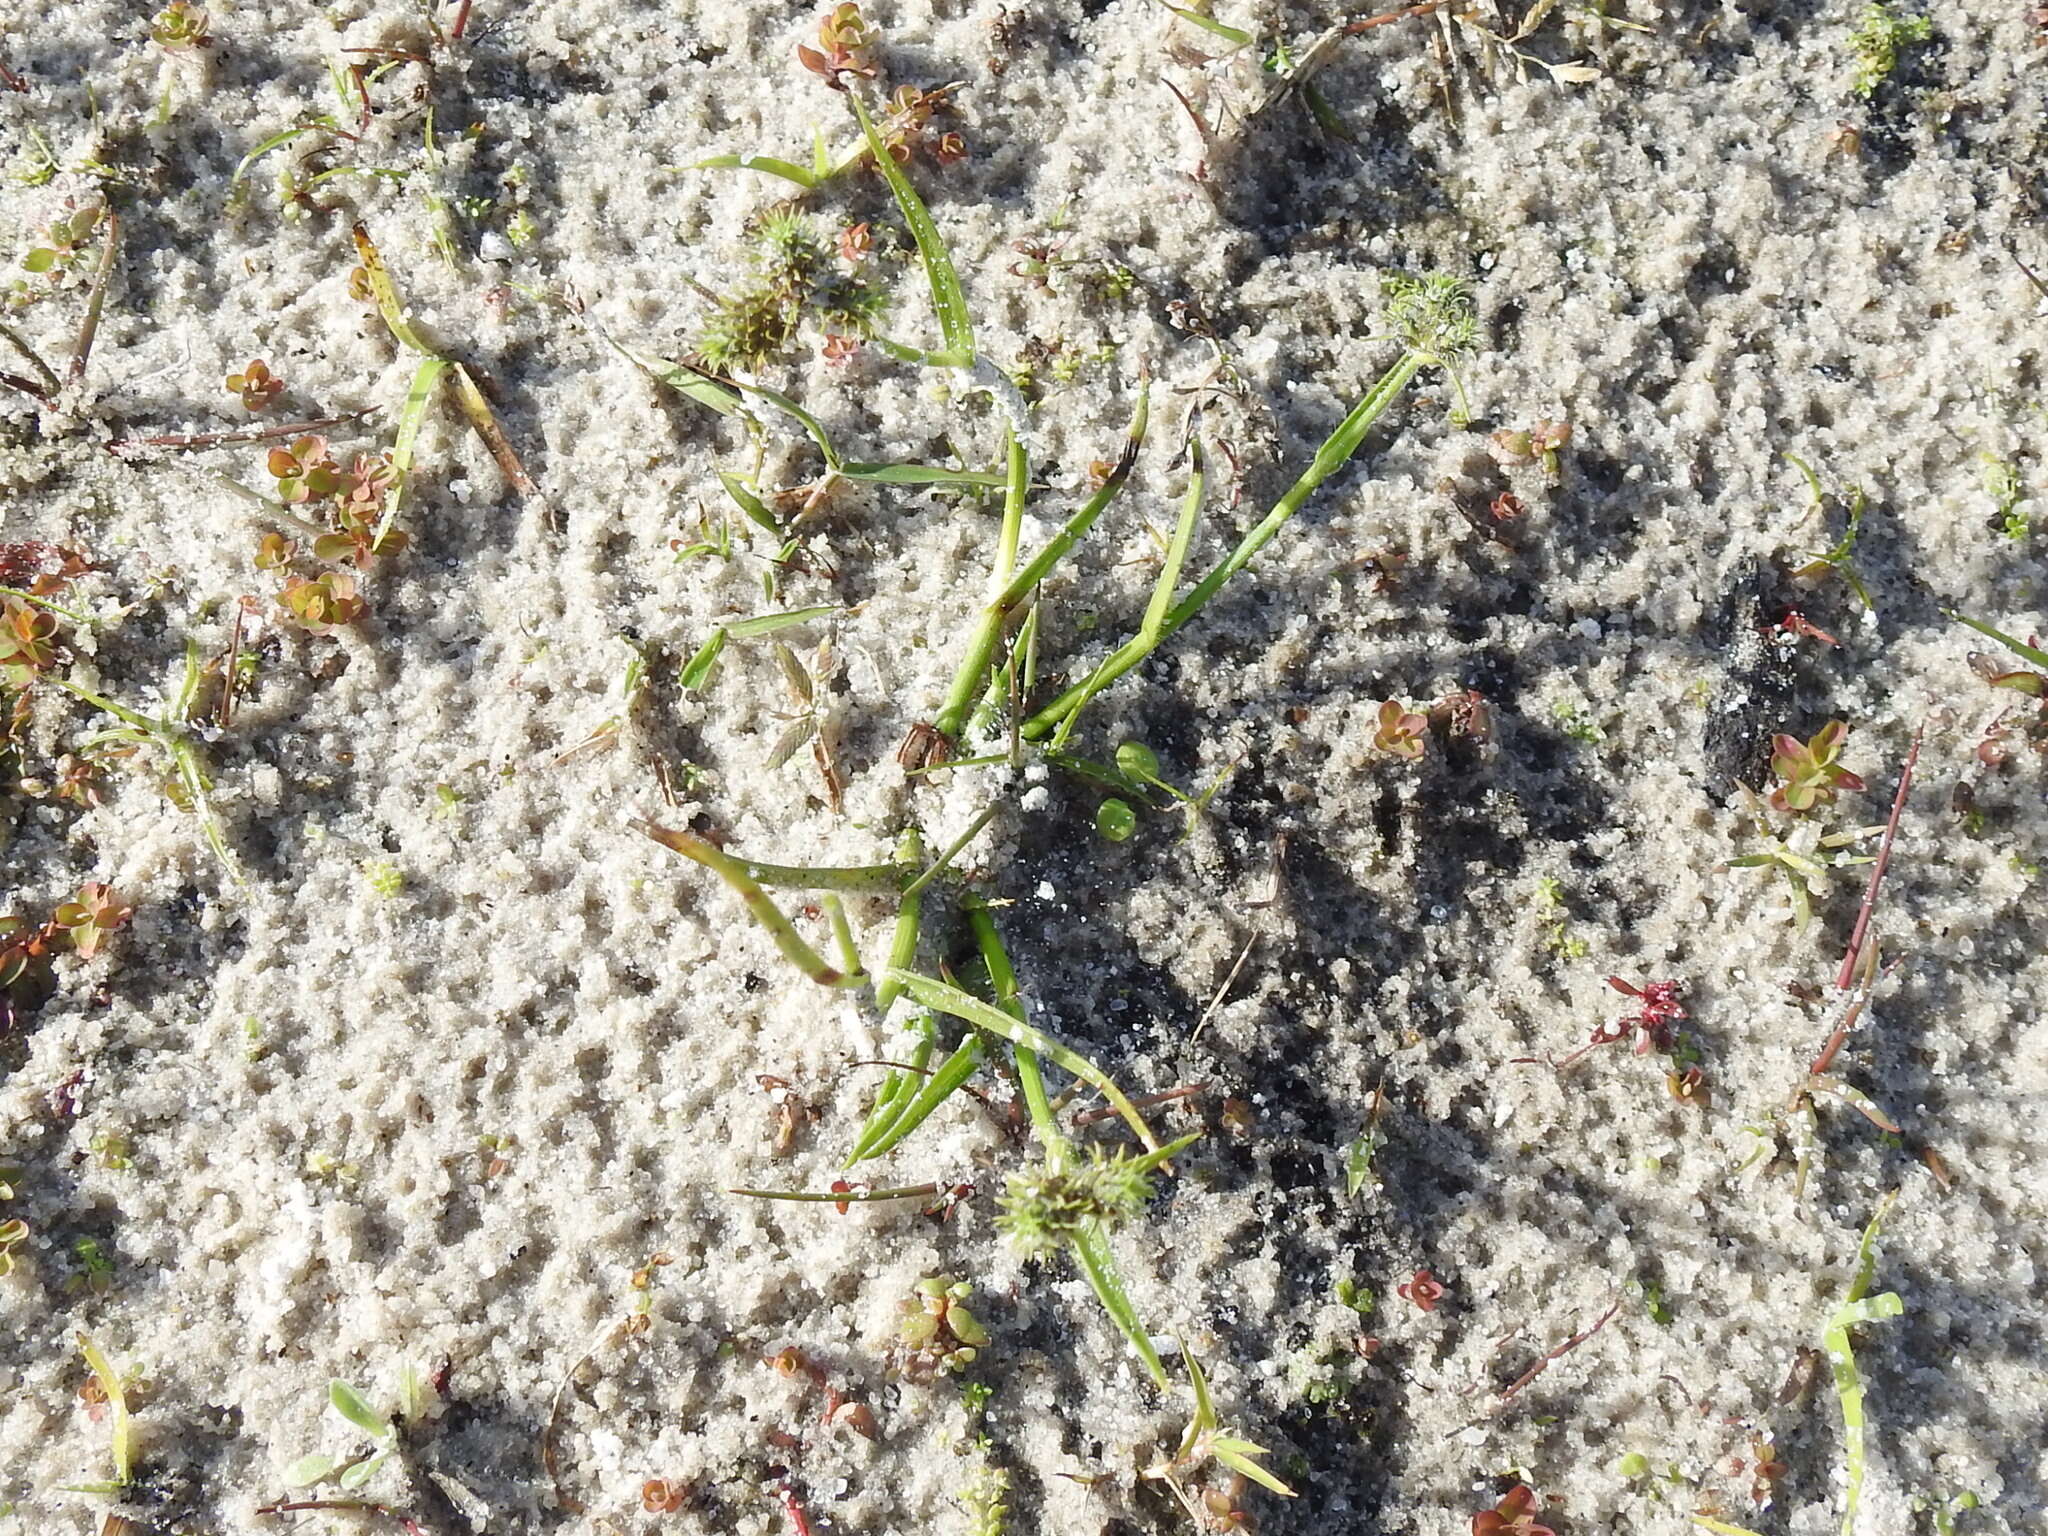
{"x":1168,"y":766}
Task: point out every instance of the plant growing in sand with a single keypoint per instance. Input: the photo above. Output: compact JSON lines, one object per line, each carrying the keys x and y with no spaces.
{"x":352,"y":1471}
{"x":1880,"y":36}
{"x":1810,"y":773}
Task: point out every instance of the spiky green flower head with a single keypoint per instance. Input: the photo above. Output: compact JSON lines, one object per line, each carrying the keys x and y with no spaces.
{"x":789,"y":249}
{"x":1042,"y":1211}
{"x":749,"y":330}
{"x":1431,"y":315}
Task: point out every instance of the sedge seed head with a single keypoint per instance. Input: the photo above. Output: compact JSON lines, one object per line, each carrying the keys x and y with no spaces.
{"x":1041,"y":1211}
{"x":1432,"y":315}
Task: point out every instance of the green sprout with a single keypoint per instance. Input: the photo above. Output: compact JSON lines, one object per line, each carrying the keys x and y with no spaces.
{"x":1810,"y":773}
{"x":1876,"y":43}
{"x":1856,"y":1308}
{"x":110,"y":1387}
{"x":2003,"y":485}
{"x":1837,"y":558}
{"x":1206,"y":1440}
{"x":349,"y":1472}
{"x":1807,"y":856}
{"x":186,"y":781}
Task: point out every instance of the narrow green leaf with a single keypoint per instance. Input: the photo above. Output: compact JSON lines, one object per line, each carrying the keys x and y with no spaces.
{"x":308,"y":1470}
{"x":769,"y":623}
{"x":2031,"y":653}
{"x":351,"y":1405}
{"x":788,"y":170}
{"x":744,"y":498}
{"x":939,"y":1087}
{"x":919,"y":474}
{"x":1091,"y":1251}
{"x":123,"y":1430}
{"x":412,"y":416}
{"x":948,"y":301}
{"x":697,"y":670}
{"x":963,"y":1005}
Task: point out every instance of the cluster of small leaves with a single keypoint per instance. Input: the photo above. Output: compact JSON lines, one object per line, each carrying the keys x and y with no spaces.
{"x":26,"y":947}
{"x":1401,"y":732}
{"x":1043,"y":1210}
{"x":64,"y":242}
{"x":29,"y":641}
{"x":353,"y":1471}
{"x":1514,"y":1515}
{"x":322,"y":604}
{"x":352,"y":503}
{"x":1810,"y":773}
{"x":256,"y":384}
{"x":1876,"y":42}
{"x":936,"y":1332}
{"x":179,"y":27}
{"x":1545,"y":442}
{"x":794,"y":276}
{"x":846,"y":45}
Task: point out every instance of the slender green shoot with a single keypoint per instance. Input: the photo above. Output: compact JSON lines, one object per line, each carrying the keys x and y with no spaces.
{"x":1235,"y":36}
{"x":1013,"y":587}
{"x":961,"y":1005}
{"x":903,"y":945}
{"x":190,"y":787}
{"x":949,"y":302}
{"x":122,"y":1425}
{"x":952,"y":1073}
{"x":735,"y":874}
{"x":2019,"y":648}
{"x":1856,"y":1308}
{"x":1433,"y":319}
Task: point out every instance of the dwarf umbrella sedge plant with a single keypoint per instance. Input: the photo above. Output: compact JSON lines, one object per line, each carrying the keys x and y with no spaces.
{"x":1432,"y":318}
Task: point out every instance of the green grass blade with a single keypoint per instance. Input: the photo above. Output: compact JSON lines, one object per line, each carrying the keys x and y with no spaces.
{"x":385,"y":292}
{"x":411,"y":417}
{"x":903,"y":945}
{"x":769,"y":623}
{"x":1236,"y":37}
{"x":697,"y":670}
{"x":948,"y":999}
{"x":753,"y":506}
{"x":277,"y":141}
{"x":1336,"y":450}
{"x":788,"y":170}
{"x":758,"y":904}
{"x":2019,"y":648}
{"x":1091,"y":1251}
{"x":123,"y":1428}
{"x":939,"y":1087}
{"x":948,"y":301}
{"x":691,"y":383}
{"x":919,"y":474}
{"x":1856,"y":1308}
{"x":898,"y":1091}
{"x":1177,"y":551}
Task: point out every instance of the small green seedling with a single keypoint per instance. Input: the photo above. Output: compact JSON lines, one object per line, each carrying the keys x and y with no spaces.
{"x":349,"y":1472}
{"x":1857,"y":1307}
{"x":936,"y":1331}
{"x":109,"y":1387}
{"x":1807,"y":856}
{"x":1206,"y":1440}
{"x":1876,"y":43}
{"x":1810,"y":773}
{"x":186,"y":782}
{"x":1838,"y":557}
{"x":2003,"y":485}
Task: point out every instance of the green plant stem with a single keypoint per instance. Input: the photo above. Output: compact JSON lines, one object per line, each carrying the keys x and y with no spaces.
{"x":736,"y":874}
{"x":948,"y":999}
{"x":939,"y":1087}
{"x":1091,"y":1252}
{"x":938,"y":865}
{"x":1332,"y":456}
{"x":1002,"y":977}
{"x":903,"y":945}
{"x":1012,"y":586}
{"x":43,"y":602}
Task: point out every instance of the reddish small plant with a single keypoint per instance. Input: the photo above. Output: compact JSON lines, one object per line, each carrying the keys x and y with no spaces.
{"x":1514,"y":1515}
{"x":256,"y":384}
{"x":87,"y":921}
{"x":1799,"y":627}
{"x":1506,"y":507}
{"x":304,"y":471}
{"x":1401,"y":731}
{"x":1810,"y":772}
{"x":840,"y":350}
{"x":1652,"y":1022}
{"x":179,"y":28}
{"x":1424,"y":1290}
{"x":324,"y":604}
{"x":659,"y":1496}
{"x":28,"y":640}
{"x":846,"y":43}
{"x":856,"y":243}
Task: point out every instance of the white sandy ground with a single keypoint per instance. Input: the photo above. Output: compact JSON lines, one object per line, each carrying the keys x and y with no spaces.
{"x":1672,"y":258}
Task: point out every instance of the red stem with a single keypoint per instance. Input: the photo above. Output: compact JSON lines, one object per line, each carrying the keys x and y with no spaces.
{"x":1844,"y":978}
